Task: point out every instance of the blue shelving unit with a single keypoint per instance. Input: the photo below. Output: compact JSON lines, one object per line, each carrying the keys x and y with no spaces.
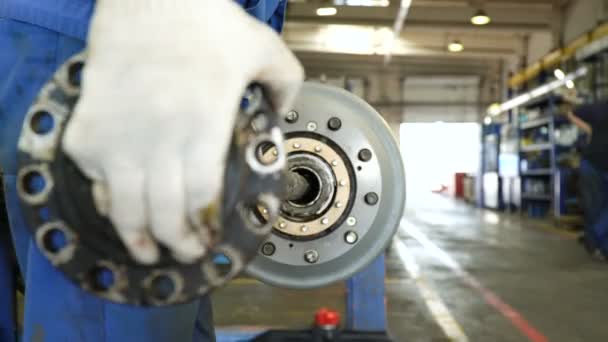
{"x":490,"y":181}
{"x":544,"y":183}
{"x":537,"y":155}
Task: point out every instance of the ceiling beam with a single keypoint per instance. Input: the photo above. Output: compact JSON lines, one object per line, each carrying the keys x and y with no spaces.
{"x":485,"y":3}
{"x":382,"y":104}
{"x":413,"y":24}
{"x":528,"y":17}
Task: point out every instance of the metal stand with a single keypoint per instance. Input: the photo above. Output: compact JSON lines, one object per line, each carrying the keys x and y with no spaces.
{"x":365,"y":300}
{"x":365,"y":304}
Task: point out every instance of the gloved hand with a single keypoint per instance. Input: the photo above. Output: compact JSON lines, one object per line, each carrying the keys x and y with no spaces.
{"x":161,"y":90}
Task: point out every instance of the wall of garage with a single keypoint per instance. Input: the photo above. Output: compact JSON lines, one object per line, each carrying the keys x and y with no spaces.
{"x":583,"y":15}
{"x":539,"y":44}
{"x":446,"y":99}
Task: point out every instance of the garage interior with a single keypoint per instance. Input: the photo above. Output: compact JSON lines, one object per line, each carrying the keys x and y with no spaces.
{"x":477,"y":261}
{"x":496,"y":241}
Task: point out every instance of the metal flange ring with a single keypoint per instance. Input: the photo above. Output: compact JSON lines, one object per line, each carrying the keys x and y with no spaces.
{"x":58,"y":205}
{"x":332,"y":183}
{"x":336,"y":128}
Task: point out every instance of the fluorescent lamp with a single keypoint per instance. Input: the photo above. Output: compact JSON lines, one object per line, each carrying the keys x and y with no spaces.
{"x":455,"y":46}
{"x":559,"y":74}
{"x":326,"y":11}
{"x":480,"y":18}
{"x":567,"y":81}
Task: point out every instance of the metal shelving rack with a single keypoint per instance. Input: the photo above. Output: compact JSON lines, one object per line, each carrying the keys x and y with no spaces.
{"x":490,"y":181}
{"x":539,"y":202}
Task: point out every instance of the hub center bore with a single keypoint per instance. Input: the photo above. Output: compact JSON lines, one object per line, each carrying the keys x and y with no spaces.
{"x":321,"y":188}
{"x":313,"y":190}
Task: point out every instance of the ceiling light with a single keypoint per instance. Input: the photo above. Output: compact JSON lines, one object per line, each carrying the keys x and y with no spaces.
{"x":487,"y":120}
{"x":480,"y":18}
{"x":570,"y":84}
{"x":455,"y":46}
{"x":559,"y":74}
{"x":326,"y":11}
{"x":494,"y":109}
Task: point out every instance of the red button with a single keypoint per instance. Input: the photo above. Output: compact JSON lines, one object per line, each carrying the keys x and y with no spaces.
{"x":326,"y":317}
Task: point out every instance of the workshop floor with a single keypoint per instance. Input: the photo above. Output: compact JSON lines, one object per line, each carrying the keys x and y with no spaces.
{"x":455,"y":273}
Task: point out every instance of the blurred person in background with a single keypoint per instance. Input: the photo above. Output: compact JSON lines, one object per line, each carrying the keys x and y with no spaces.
{"x":593,"y":120}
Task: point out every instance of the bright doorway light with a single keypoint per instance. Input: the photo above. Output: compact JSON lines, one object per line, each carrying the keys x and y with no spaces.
{"x":326,"y":11}
{"x":480,"y":18}
{"x":423,"y":174}
{"x":455,"y":46}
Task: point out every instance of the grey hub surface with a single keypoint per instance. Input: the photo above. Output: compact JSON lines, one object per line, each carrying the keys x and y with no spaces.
{"x":347,"y":222}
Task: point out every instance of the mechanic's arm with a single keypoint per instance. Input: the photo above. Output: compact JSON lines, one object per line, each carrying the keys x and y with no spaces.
{"x":571,"y":99}
{"x":160,"y":94}
{"x":578,"y":122}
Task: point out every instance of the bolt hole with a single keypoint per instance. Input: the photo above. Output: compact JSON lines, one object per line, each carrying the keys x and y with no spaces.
{"x":33,"y":182}
{"x":255,"y":215}
{"x":261,"y":150}
{"x":291,"y":245}
{"x":101,"y":278}
{"x":223,"y":270}
{"x":55,"y":240}
{"x":244,"y":103}
{"x":162,"y":287}
{"x":359,"y":168}
{"x":75,"y":74}
{"x":42,"y":122}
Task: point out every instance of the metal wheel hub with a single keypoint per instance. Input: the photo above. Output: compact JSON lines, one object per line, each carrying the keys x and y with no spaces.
{"x":335,"y":142}
{"x":356,"y":191}
{"x":58,"y":205}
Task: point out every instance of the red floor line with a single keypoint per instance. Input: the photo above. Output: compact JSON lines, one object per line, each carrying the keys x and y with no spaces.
{"x":492,"y":299}
{"x":506,"y":310}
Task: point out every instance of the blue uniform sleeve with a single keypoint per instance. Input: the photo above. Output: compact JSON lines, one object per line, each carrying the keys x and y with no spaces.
{"x":271,"y":12}
{"x":68,"y":17}
{"x":71,"y":17}
{"x":591,"y":113}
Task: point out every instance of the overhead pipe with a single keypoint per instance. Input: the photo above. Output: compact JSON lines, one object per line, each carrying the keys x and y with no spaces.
{"x":404,"y":9}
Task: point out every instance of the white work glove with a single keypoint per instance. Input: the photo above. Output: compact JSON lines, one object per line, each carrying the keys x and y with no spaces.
{"x":161,"y":90}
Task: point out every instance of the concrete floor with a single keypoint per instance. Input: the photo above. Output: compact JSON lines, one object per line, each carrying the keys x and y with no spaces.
{"x":517,"y":277}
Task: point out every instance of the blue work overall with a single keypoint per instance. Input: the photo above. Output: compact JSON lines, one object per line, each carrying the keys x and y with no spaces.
{"x":36,"y":37}
{"x":594,"y":196}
